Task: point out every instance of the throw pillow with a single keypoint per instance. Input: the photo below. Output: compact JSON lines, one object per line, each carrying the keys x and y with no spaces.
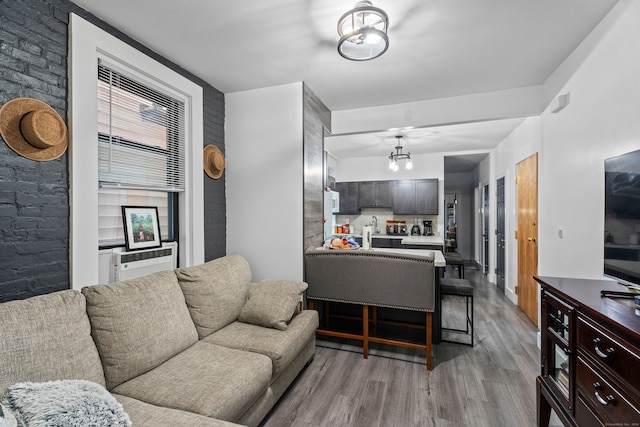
{"x":65,"y":403}
{"x":272,"y":304}
{"x":7,"y":419}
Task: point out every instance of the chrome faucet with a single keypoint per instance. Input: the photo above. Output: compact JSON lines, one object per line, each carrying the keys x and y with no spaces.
{"x":374,"y":220}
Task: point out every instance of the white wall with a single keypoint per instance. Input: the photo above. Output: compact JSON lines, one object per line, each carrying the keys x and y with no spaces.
{"x":425,"y":166}
{"x":520,"y":144}
{"x":519,"y":102}
{"x":602,"y":120}
{"x":483,"y":176}
{"x":264,"y":179}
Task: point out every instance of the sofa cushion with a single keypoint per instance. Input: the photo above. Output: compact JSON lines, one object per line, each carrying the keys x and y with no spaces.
{"x":215,"y":292}
{"x":46,"y":338}
{"x":144,"y":414}
{"x":138,"y":324}
{"x":272,"y":304}
{"x":280,"y":346}
{"x":206,"y":379}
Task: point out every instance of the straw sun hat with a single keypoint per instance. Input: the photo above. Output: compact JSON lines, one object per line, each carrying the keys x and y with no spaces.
{"x":33,"y":129}
{"x":213,"y":160}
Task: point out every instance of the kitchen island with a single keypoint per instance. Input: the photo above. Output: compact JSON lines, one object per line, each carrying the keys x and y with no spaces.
{"x":435,"y":243}
{"x":438,"y":257}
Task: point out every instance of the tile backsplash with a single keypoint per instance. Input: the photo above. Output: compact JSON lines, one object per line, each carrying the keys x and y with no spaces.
{"x":383,"y":215}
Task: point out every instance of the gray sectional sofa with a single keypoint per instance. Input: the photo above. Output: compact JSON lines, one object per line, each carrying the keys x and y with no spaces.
{"x":198,"y":346}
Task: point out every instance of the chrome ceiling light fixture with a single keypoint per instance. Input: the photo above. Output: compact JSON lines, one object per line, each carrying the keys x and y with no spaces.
{"x":399,"y":155}
{"x":363,"y":32}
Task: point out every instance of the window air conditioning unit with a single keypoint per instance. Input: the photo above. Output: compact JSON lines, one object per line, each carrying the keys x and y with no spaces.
{"x":129,"y":265}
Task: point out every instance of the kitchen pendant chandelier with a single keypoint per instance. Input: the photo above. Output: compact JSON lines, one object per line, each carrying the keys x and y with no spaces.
{"x":363,"y":32}
{"x":399,"y":155}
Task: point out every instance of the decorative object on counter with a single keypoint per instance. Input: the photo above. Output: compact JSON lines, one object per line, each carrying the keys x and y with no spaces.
{"x":33,"y":129}
{"x":428,"y":228}
{"x":396,"y":228}
{"x":213,"y":161}
{"x":399,"y":155}
{"x":415,"y":230}
{"x":363,"y":32}
{"x":367,"y":232}
{"x":343,"y":243}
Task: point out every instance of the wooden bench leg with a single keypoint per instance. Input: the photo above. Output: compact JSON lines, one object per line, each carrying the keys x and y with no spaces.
{"x":327,"y":315}
{"x":374,"y":322}
{"x":365,"y":331}
{"x":429,"y":345}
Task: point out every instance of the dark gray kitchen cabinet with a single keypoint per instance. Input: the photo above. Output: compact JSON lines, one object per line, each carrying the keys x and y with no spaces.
{"x":375,"y":194}
{"x":404,"y":195}
{"x":427,"y":196}
{"x":386,"y":242}
{"x":415,"y":197}
{"x":348,"y":198}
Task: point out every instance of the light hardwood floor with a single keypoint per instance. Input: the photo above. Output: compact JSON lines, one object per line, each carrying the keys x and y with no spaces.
{"x":491,"y":384}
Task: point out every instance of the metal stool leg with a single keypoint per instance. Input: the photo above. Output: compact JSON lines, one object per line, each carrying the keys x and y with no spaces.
{"x":468,"y":320}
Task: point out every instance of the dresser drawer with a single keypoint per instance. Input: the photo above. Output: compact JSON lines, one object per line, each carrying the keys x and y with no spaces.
{"x":610,"y":351}
{"x":585,"y":416}
{"x":609,"y":401}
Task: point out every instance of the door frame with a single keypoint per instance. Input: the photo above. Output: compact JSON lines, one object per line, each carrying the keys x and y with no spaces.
{"x":485,"y":241}
{"x":501,"y":283}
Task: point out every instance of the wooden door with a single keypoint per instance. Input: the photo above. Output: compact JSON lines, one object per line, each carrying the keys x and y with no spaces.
{"x":527,"y":236}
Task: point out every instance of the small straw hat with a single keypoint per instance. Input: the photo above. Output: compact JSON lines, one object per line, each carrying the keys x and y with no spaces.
{"x":213,"y":160}
{"x":33,"y":129}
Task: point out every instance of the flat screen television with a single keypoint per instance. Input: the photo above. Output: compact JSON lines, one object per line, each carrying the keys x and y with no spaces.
{"x":622,"y":218}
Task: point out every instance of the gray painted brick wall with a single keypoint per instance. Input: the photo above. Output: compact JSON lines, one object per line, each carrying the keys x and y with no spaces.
{"x":34,"y":200}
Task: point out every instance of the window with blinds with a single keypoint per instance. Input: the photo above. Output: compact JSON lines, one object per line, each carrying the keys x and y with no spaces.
{"x":141,"y":159}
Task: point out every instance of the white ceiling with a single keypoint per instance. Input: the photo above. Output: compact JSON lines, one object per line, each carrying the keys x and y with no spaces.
{"x":438,"y":49}
{"x":440,"y":139}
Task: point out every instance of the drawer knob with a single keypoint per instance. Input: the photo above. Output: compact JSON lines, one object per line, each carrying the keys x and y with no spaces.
{"x":603,"y":354}
{"x":603,"y":400}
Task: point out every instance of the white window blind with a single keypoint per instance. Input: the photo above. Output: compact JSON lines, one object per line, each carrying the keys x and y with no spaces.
{"x":141,"y":134}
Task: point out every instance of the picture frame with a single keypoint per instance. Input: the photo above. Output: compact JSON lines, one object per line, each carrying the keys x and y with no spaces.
{"x":141,"y":227}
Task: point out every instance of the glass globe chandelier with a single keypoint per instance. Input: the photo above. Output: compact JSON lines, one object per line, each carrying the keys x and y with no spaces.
{"x":363,"y":32}
{"x":399,"y":155}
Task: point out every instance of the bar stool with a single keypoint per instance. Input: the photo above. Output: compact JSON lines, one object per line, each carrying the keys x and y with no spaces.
{"x":455,"y":260}
{"x":461,"y":288}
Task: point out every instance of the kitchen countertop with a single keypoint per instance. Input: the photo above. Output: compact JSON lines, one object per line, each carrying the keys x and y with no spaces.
{"x":438,"y":258}
{"x":412,"y":240}
{"x":423,"y":240}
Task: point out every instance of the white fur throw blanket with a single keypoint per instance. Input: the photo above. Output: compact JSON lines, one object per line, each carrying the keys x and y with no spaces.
{"x":65,"y":403}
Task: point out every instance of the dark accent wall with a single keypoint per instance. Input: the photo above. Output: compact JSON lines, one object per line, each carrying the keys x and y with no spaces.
{"x":317,"y":118}
{"x":34,"y":196}
{"x":215,"y":208}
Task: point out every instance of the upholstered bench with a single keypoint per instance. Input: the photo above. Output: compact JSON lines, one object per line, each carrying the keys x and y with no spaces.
{"x":461,"y":288}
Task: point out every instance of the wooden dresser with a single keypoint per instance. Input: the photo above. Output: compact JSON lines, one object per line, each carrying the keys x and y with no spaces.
{"x":590,"y":358}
